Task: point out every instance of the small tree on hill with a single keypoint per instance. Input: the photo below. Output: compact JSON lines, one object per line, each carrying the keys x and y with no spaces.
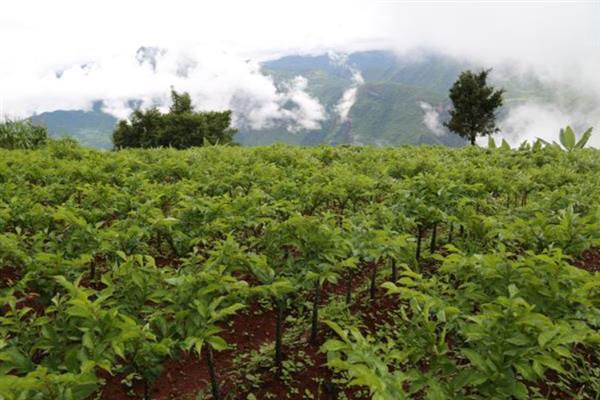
{"x":474,"y":106}
{"x":181,"y":127}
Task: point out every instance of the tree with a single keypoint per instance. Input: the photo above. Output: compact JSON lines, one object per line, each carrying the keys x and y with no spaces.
{"x":180,"y":103}
{"x":474,"y":104}
{"x":181,"y":127}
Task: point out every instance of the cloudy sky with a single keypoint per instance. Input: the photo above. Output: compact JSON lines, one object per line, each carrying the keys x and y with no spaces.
{"x":64,"y":54}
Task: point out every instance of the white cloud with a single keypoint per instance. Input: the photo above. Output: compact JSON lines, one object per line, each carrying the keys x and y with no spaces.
{"x":216,"y":80}
{"x":348,"y":98}
{"x":539,"y":120}
{"x":431,"y":119}
{"x":208,"y":45}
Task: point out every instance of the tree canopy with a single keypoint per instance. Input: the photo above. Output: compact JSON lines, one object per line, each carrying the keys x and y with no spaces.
{"x":474,"y":106}
{"x":181,"y":127}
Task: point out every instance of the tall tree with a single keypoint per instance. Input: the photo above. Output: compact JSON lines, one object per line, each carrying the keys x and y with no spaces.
{"x":474,"y":106}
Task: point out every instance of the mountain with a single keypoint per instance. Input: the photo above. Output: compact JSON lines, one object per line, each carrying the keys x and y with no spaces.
{"x":91,"y":128}
{"x":389,"y":103}
{"x":389,"y":100}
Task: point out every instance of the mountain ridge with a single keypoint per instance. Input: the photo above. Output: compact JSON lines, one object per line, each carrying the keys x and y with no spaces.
{"x":392,"y":100}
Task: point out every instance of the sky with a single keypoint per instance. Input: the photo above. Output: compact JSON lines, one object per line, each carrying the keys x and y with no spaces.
{"x":65,"y":54}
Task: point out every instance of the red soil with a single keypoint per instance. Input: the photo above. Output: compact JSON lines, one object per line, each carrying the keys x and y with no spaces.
{"x":589,"y":260}
{"x":188,"y":374}
{"x":8,"y":276}
{"x":183,"y":377}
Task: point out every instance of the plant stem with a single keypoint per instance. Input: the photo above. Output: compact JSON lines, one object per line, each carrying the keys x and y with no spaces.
{"x":279,"y":304}
{"x":349,"y":288}
{"x":433,"y":239}
{"x":419,"y":235}
{"x":92,"y":272}
{"x":315,"y":313}
{"x":373,"y":279}
{"x":211,"y":370}
{"x":146,"y":389}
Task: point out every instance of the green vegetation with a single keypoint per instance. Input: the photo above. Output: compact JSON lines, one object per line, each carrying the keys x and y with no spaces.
{"x":474,"y":106}
{"x":22,"y":134}
{"x":180,"y":128}
{"x":264,"y":268}
{"x":569,"y":141}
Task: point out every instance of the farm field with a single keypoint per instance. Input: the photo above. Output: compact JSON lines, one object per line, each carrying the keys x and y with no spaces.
{"x":299,"y":273}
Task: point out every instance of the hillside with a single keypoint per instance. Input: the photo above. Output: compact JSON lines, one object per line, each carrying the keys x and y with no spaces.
{"x":91,"y":128}
{"x":387,"y":108}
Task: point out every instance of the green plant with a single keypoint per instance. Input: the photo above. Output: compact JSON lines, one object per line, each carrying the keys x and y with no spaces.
{"x":22,"y":134}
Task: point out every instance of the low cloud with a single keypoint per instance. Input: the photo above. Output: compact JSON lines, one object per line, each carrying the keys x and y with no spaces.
{"x":215,"y":79}
{"x":544,"y":120}
{"x":348,"y":98}
{"x":431,"y":119}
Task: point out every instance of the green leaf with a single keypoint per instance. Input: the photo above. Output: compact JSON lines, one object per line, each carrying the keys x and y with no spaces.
{"x":546,"y":336}
{"x":584,"y":139}
{"x":217,"y":343}
{"x":475,"y":358}
{"x":519,"y":390}
{"x":118,"y":348}
{"x":435,"y":391}
{"x":227,"y":311}
{"x":567,"y":138}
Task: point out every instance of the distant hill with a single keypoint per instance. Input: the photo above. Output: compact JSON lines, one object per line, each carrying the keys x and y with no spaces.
{"x":388,"y":107}
{"x":398,"y":100}
{"x":91,"y":128}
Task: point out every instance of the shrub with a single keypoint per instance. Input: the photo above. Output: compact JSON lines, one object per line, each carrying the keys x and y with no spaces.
{"x":22,"y":134}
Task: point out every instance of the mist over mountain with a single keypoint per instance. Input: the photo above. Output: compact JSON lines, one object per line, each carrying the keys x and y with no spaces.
{"x":368,"y":97}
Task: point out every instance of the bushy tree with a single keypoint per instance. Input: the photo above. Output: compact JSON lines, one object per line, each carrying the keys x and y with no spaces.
{"x":474,"y":106}
{"x":22,"y":134}
{"x":181,"y":127}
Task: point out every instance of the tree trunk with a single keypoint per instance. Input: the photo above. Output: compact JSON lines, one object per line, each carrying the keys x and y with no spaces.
{"x":462,"y":231}
{"x":472,"y":139}
{"x":314,"y":331}
{"x":433,"y":238}
{"x":394,"y":271}
{"x":373,"y":281}
{"x":280,"y":305}
{"x":213,"y":375}
{"x":450,"y":232}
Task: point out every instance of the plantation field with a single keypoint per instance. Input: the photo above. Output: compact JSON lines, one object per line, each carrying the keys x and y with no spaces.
{"x":299,"y":273}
